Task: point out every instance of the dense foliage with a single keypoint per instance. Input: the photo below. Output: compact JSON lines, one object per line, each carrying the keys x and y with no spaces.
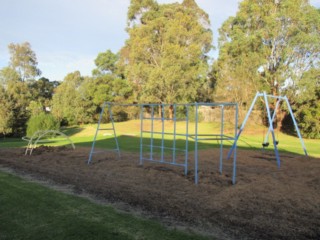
{"x":271,"y":46}
{"x":42,"y":121}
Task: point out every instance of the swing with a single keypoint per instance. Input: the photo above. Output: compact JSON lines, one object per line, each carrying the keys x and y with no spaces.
{"x":266,"y":143}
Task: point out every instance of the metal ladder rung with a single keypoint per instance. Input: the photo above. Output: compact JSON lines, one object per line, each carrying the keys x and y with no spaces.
{"x":106,"y":129}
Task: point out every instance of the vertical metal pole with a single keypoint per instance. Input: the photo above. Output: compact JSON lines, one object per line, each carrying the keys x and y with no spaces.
{"x":296,"y":126}
{"x":114,"y":130}
{"x":244,"y":123}
{"x":187,"y":142}
{"x":141,"y":134}
{"x":162,"y":140}
{"x":174,"y":133}
{"x":273,"y":116}
{"x":95,"y":135}
{"x":196,"y":180}
{"x":271,"y":129}
{"x":151,"y":139}
{"x":234,"y":172}
{"x":221,"y":140}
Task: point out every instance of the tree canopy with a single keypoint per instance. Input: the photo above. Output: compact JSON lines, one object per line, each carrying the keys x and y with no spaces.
{"x":23,"y":59}
{"x":165,"y":57}
{"x":268,"y":46}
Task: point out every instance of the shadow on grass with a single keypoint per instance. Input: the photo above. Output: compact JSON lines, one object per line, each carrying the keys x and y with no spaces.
{"x":132,"y":144}
{"x":70,"y":131}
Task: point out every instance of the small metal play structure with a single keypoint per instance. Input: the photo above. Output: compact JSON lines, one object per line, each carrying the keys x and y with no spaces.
{"x":154,"y":146}
{"x":38,"y":136}
{"x":270,"y":117}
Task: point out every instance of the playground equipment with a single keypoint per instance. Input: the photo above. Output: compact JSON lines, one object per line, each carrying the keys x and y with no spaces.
{"x":271,"y":118}
{"x":112,"y":129}
{"x":38,"y":136}
{"x":153,"y":146}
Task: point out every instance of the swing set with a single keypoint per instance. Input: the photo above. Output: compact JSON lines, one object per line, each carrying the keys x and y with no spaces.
{"x":270,"y":118}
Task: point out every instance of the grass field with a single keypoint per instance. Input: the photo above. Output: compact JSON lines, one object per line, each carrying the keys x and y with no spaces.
{"x":31,"y":211}
{"x":129,"y":137}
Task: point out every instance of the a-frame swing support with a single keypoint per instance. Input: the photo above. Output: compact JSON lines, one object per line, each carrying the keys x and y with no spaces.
{"x":270,"y":120}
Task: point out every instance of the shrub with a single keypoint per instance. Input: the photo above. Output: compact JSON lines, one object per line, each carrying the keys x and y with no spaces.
{"x":42,"y":121}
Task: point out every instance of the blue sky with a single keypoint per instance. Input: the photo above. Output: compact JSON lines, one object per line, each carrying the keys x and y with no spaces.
{"x":67,"y":35}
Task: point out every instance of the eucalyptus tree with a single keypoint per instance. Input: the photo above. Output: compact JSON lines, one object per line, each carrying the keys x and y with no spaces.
{"x":23,"y":59}
{"x":67,"y":102}
{"x":307,"y":105}
{"x":6,"y":113}
{"x":268,"y":45}
{"x":165,"y":58}
{"x":8,"y":74}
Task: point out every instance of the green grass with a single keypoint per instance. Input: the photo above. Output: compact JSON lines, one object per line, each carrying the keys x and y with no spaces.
{"x":129,"y":137}
{"x":31,"y":211}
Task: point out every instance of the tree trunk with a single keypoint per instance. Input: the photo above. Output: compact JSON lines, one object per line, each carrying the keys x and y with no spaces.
{"x":171,"y":112}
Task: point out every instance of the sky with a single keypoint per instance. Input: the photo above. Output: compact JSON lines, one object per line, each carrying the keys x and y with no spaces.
{"x":67,"y":35}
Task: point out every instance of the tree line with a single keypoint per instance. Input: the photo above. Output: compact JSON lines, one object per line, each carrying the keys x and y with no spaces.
{"x":270,"y":46}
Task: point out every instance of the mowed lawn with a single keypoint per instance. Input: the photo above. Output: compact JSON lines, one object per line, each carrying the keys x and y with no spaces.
{"x":31,"y":211}
{"x":128,"y":134}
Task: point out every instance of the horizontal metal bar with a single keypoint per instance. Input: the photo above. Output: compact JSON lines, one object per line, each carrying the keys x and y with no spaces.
{"x":165,"y":133}
{"x":105,"y":128}
{"x":107,"y":150}
{"x":207,"y":135}
{"x":277,"y":97}
{"x":155,"y":118}
{"x":214,"y":138}
{"x":164,"y":162}
{"x":156,"y":146}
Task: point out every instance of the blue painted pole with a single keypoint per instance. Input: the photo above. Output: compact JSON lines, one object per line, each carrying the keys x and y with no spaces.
{"x":234,"y":172}
{"x":141,"y":135}
{"x":273,"y":117}
{"x":221,"y":143}
{"x":162,"y":140}
{"x":174,"y":133}
{"x":114,"y":130}
{"x":244,"y":123}
{"x":296,"y":126}
{"x":95,"y":135}
{"x":271,"y":129}
{"x":196,"y":180}
{"x":151,"y":139}
{"x":187,"y":142}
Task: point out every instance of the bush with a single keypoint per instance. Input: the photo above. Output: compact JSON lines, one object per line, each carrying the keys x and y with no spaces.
{"x":43,"y":121}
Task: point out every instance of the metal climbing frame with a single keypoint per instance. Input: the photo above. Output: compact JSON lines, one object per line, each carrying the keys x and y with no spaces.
{"x":270,"y":120}
{"x":155,"y":142}
{"x":150,"y":146}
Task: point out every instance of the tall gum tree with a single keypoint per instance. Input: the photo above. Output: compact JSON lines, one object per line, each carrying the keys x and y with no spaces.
{"x":165,"y":57}
{"x":268,"y":45}
{"x":23,"y":59}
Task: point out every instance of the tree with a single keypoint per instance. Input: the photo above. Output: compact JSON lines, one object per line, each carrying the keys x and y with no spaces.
{"x":18,"y":96}
{"x":106,"y":63}
{"x":165,"y":56}
{"x":6,"y":113}
{"x":23,"y":59}
{"x":268,"y":46}
{"x":42,"y":121}
{"x":70,"y":103}
{"x":307,"y":104}
{"x":65,"y":102}
{"x":8,"y":74}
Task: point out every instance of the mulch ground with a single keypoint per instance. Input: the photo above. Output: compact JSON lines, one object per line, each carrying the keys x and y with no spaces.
{"x":265,"y":203}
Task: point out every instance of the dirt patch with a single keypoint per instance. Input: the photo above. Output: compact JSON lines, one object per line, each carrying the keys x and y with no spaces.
{"x":266,"y":202}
